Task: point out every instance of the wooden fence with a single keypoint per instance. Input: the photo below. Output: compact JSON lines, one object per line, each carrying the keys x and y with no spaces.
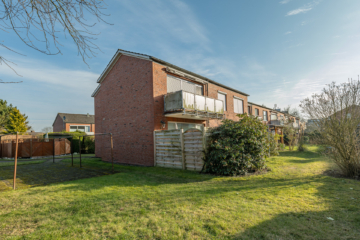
{"x":34,"y":148}
{"x":179,"y":149}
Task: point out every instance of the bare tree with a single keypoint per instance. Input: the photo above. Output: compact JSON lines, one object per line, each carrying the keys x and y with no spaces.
{"x":47,"y":129}
{"x":337,"y":113}
{"x":40,"y":23}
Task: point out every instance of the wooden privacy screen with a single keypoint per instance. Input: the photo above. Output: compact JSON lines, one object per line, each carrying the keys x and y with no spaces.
{"x":178,"y":149}
{"x":34,"y":148}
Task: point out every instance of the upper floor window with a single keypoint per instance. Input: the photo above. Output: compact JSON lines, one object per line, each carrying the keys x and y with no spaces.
{"x":265,"y":116}
{"x":222,"y":96}
{"x":175,"y":84}
{"x":74,"y":128}
{"x":238,"y":105}
{"x":274,"y":116}
{"x":256,"y":112}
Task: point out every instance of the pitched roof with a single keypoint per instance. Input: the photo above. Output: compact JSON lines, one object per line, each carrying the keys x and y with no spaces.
{"x":77,"y":118}
{"x":162,"y":62}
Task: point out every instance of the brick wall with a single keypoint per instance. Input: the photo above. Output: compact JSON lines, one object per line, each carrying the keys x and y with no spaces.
{"x":58,"y":125}
{"x":160,"y":89}
{"x":229,"y":113}
{"x":124,"y":107}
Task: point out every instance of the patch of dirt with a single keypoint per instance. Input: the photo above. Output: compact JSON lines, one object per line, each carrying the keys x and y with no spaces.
{"x":337,"y":174}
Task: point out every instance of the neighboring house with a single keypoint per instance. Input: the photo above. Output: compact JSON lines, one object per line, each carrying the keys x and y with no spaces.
{"x":73,"y":122}
{"x":311,"y":125}
{"x":274,"y":118}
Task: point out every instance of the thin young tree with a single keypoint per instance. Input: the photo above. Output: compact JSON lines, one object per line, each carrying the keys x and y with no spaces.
{"x":337,"y":113}
{"x":40,"y":24}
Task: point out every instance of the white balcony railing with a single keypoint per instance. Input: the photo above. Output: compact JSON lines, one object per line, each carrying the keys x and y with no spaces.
{"x":190,"y":103}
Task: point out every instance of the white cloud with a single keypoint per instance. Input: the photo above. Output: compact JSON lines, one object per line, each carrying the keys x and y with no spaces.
{"x":303,"y":9}
{"x":299,"y":10}
{"x":47,"y":89}
{"x":284,"y":1}
{"x":287,"y":33}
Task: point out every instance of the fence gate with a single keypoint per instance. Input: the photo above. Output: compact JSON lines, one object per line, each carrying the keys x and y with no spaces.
{"x":193,"y":149}
{"x":178,"y":149}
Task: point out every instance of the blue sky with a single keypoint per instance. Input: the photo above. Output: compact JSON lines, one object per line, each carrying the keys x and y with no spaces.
{"x":277,"y":51}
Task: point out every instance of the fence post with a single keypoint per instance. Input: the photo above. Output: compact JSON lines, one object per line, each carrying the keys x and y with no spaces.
{"x":54,"y":151}
{"x":72,"y":153}
{"x":154,"y":148}
{"x":31,"y":148}
{"x":80,"y":150}
{"x":182,"y":148}
{"x":15,"y":166}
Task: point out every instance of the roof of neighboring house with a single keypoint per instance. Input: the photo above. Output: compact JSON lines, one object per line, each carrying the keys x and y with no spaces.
{"x":76,"y":118}
{"x":162,"y":62}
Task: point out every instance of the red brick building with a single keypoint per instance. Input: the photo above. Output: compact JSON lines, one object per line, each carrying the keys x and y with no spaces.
{"x":138,"y":94}
{"x":74,"y":122}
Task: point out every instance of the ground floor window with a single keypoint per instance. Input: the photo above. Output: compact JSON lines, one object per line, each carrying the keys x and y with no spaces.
{"x":185,"y":126}
{"x":74,"y":128}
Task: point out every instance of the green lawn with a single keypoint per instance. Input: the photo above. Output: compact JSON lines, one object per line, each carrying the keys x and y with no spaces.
{"x":292,"y":201}
{"x":4,"y":164}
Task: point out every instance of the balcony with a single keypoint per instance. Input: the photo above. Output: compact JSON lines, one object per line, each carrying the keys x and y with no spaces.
{"x":182,"y":104}
{"x":277,"y":122}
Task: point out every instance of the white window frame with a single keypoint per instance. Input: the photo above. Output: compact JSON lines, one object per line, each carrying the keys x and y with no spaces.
{"x":77,"y":127}
{"x":225,"y":94}
{"x":267,"y":118}
{"x":181,"y":84}
{"x":258,"y":112}
{"x":176,"y":126}
{"x":242,"y":102}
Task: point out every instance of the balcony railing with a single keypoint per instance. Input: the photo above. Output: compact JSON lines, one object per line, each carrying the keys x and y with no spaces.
{"x":277,"y":122}
{"x":193,"y":105}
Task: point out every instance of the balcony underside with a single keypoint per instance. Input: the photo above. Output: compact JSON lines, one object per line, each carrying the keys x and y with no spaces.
{"x":194,"y":115}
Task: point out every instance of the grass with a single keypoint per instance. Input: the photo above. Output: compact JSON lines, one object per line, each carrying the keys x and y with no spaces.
{"x":5,"y":164}
{"x":292,"y":201}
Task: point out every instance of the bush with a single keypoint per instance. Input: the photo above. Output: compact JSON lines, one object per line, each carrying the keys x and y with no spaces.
{"x":273,"y":142}
{"x":89,"y":145}
{"x":306,"y":139}
{"x":237,"y":147}
{"x":74,"y":141}
{"x":301,"y":145}
{"x":282,"y":146}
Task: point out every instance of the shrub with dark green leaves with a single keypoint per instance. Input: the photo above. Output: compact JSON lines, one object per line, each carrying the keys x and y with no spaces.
{"x":89,"y":145}
{"x":237,"y":147}
{"x":273,"y":142}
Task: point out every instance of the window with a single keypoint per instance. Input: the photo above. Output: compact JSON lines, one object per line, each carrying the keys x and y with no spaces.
{"x":185,"y":126}
{"x":222,"y":96}
{"x":256,"y":112}
{"x":175,"y":84}
{"x":249,"y":110}
{"x":238,"y":105}
{"x":274,"y":116}
{"x":265,"y":115}
{"x":74,"y":128}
